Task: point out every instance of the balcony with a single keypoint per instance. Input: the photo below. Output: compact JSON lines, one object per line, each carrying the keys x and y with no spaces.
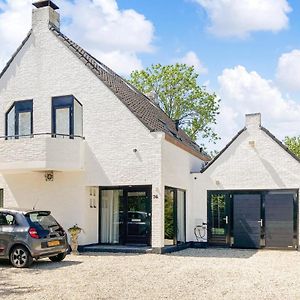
{"x":41,"y":152}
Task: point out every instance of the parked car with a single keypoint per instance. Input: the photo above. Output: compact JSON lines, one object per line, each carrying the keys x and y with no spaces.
{"x":26,"y":235}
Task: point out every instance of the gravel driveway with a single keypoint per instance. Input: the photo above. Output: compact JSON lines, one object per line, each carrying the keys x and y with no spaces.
{"x":189,"y":274}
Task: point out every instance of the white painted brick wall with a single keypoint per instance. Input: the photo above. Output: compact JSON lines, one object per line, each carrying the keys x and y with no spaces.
{"x":45,"y":68}
{"x":241,"y":166}
{"x":177,"y":174}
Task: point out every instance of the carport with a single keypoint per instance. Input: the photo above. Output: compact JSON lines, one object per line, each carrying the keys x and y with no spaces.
{"x":253,"y":218}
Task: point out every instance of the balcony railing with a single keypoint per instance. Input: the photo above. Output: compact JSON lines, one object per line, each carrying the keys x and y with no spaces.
{"x":53,"y":135}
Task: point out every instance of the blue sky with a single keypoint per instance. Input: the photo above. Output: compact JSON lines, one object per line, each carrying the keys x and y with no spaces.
{"x":181,"y":26}
{"x":247,"y":51}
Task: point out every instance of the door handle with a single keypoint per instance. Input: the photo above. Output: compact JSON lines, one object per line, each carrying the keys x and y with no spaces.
{"x":226,"y":219}
{"x":261,"y":222}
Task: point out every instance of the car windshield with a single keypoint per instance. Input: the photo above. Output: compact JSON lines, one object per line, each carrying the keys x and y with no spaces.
{"x":42,"y":219}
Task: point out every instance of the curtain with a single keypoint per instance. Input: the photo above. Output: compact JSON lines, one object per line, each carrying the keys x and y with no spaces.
{"x":110,"y":216}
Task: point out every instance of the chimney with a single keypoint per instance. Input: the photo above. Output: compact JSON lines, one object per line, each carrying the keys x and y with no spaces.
{"x":253,"y":121}
{"x":45,"y":14}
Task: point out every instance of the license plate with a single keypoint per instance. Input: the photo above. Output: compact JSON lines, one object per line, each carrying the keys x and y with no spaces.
{"x":53,"y":243}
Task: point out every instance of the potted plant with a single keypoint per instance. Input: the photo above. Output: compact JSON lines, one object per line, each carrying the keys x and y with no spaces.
{"x":74,"y":233}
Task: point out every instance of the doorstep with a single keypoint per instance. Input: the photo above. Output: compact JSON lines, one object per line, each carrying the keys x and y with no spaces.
{"x":116,"y":249}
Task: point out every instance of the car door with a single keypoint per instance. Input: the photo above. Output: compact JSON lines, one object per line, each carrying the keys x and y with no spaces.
{"x":7,"y":225}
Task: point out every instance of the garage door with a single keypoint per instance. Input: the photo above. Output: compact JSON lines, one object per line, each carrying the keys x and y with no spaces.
{"x":279,"y":220}
{"x":247,"y":220}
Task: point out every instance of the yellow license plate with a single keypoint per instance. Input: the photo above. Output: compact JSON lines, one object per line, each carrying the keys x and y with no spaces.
{"x":53,"y":243}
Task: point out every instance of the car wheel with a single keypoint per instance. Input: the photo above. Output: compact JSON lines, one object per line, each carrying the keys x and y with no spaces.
{"x":20,"y":257}
{"x":59,"y":257}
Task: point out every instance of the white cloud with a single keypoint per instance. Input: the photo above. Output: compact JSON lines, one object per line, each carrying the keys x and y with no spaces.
{"x":238,"y":18}
{"x":15,"y":20}
{"x":245,"y":92}
{"x":288,"y":70}
{"x":191,"y":59}
{"x":115,"y":36}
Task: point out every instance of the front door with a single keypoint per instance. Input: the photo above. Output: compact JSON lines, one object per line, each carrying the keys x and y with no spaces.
{"x":247,"y":221}
{"x":125,"y":215}
{"x":138,"y":217}
{"x":218,"y":219}
{"x":279,"y":220}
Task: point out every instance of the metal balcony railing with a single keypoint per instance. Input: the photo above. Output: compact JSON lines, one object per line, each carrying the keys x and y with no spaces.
{"x":53,"y":135}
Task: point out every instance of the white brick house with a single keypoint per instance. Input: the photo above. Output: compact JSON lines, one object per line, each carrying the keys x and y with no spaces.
{"x":104,"y":140}
{"x":80,"y":141}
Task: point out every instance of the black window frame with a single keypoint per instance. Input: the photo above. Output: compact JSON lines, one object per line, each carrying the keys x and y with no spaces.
{"x":20,"y":107}
{"x":60,"y":102}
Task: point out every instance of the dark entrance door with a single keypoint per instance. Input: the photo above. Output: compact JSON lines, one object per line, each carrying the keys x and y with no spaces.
{"x":218,"y":219}
{"x":125,"y":215}
{"x":247,"y":220}
{"x":137,"y":223}
{"x":279,"y":220}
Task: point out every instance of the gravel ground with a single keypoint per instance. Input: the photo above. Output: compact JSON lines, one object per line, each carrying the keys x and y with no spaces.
{"x":189,"y":274}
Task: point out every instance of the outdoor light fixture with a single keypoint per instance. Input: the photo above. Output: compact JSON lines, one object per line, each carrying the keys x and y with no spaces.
{"x":49,"y":176}
{"x":252,"y":144}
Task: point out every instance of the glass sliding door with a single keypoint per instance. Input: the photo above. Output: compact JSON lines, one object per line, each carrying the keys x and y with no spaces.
{"x":175,"y":216}
{"x":169,"y":217}
{"x":111,"y":216}
{"x":125,"y":216}
{"x":181,"y":216}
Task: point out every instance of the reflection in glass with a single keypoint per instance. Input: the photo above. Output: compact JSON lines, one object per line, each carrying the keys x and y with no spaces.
{"x":180,"y":216}
{"x":78,"y":121}
{"x":11,"y":122}
{"x":169,"y":217}
{"x":24,"y":123}
{"x":218,"y":222}
{"x":63,"y":121}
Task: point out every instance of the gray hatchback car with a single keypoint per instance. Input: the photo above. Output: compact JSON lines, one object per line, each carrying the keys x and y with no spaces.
{"x":30,"y":234}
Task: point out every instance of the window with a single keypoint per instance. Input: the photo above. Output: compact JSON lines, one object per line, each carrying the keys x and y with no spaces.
{"x":19,"y":119}
{"x":175,"y":216}
{"x":67,"y":118}
{"x":7,"y":219}
{"x":1,"y":198}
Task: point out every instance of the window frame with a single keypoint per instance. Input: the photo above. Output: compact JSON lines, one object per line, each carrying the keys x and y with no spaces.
{"x":60,"y":102}
{"x":20,"y":107}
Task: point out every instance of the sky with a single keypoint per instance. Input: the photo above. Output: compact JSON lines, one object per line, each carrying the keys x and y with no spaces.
{"x":246,"y":51}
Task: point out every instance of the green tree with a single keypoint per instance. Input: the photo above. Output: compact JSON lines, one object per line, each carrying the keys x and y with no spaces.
{"x":293,"y":143}
{"x":178,"y":94}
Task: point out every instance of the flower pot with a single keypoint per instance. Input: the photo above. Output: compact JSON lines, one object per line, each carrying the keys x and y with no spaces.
{"x":74,"y":233}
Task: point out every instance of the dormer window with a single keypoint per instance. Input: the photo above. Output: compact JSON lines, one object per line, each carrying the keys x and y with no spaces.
{"x":67,"y":118}
{"x":19,"y":120}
